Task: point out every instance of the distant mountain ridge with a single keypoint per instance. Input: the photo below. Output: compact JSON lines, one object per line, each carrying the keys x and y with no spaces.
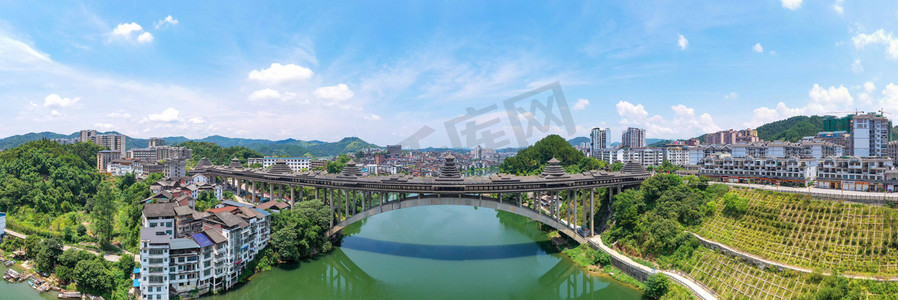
{"x":289,"y":147}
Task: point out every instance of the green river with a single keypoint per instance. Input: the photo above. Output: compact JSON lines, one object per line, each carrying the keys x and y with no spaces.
{"x":435,"y":252}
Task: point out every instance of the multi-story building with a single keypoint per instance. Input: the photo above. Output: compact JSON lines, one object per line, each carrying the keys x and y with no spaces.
{"x":156,"y":142}
{"x":893,"y":151}
{"x":119,"y":167}
{"x":62,"y":141}
{"x":841,"y":138}
{"x":633,"y":138}
{"x":598,"y":139}
{"x":189,"y":253}
{"x":115,"y":142}
{"x":154,"y":263}
{"x":731,"y":136}
{"x":676,"y":154}
{"x":160,"y":153}
{"x":853,"y":173}
{"x":870,"y":135}
{"x":394,"y":150}
{"x":174,"y":167}
{"x":296,"y":164}
{"x":105,"y":157}
{"x":781,"y":171}
{"x":86,"y":135}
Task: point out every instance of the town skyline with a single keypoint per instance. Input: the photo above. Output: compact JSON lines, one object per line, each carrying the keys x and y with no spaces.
{"x":138,"y":70}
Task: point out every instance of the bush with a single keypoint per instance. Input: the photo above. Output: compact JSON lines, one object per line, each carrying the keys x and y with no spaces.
{"x":656,"y":286}
{"x":733,"y":205}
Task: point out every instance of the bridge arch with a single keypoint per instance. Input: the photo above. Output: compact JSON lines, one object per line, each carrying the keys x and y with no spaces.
{"x":461,"y":200}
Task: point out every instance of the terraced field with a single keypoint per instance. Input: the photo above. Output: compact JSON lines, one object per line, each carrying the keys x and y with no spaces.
{"x":813,"y":234}
{"x":734,"y":279}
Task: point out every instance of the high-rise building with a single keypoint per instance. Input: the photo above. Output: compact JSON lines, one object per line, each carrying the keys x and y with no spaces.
{"x":633,"y":138}
{"x":156,"y":142}
{"x":86,"y":135}
{"x":598,"y":139}
{"x":114,"y":142}
{"x":394,"y":150}
{"x":870,"y":135}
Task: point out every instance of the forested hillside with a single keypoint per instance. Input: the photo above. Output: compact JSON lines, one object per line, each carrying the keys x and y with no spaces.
{"x":533,"y":159}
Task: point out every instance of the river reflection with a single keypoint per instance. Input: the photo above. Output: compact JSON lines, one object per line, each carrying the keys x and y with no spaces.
{"x":445,"y":252}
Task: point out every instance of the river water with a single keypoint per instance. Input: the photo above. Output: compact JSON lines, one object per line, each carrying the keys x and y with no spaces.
{"x":435,"y":252}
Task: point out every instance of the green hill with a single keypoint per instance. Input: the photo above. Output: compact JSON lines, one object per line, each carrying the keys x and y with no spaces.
{"x":791,"y":129}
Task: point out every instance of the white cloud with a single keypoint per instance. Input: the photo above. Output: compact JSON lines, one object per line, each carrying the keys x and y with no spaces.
{"x":124,"y":30}
{"x":731,"y":96}
{"x":338,"y":92}
{"x":581,"y":104}
{"x":277,"y":73}
{"x":828,"y":100}
{"x":168,"y":115}
{"x":791,"y":4}
{"x":889,"y":101}
{"x":145,"y":37}
{"x":856,"y":66}
{"x":197,"y":121}
{"x":821,"y":101}
{"x":757,"y":48}
{"x":119,"y":115}
{"x":880,"y":36}
{"x":167,"y":21}
{"x":838,"y":7}
{"x":104,"y":126}
{"x":54,"y":100}
{"x":269,"y":94}
{"x":55,"y":113}
{"x":684,"y":124}
{"x":371,"y":117}
{"x":869,"y":87}
{"x":683,"y":42}
{"x":129,"y":31}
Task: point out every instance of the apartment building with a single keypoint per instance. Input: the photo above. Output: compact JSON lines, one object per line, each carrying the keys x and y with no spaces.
{"x":160,"y":153}
{"x":185,"y":252}
{"x":598,"y":139}
{"x":114,"y":142}
{"x":790,"y":171}
{"x":174,"y":167}
{"x":870,"y":135}
{"x":633,"y":138}
{"x":854,"y":173}
{"x":296,"y":164}
{"x":156,"y":142}
{"x":105,"y":157}
{"x":778,"y":149}
{"x":677,"y":155}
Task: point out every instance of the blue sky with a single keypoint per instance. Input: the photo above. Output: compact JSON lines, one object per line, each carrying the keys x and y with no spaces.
{"x":382,"y":70}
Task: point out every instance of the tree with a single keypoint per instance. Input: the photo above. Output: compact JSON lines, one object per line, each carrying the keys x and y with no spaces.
{"x":92,"y":276}
{"x":126,"y":181}
{"x":284,"y":240}
{"x":103,"y":215}
{"x":49,"y":252}
{"x":656,"y":285}
{"x":617,"y":166}
{"x":531,"y":159}
{"x":335,"y":167}
{"x":32,"y":246}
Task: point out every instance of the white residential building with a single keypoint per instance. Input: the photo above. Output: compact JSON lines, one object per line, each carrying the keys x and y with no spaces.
{"x":296,"y":164}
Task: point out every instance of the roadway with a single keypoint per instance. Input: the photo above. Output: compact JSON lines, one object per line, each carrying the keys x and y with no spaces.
{"x":697,"y":289}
